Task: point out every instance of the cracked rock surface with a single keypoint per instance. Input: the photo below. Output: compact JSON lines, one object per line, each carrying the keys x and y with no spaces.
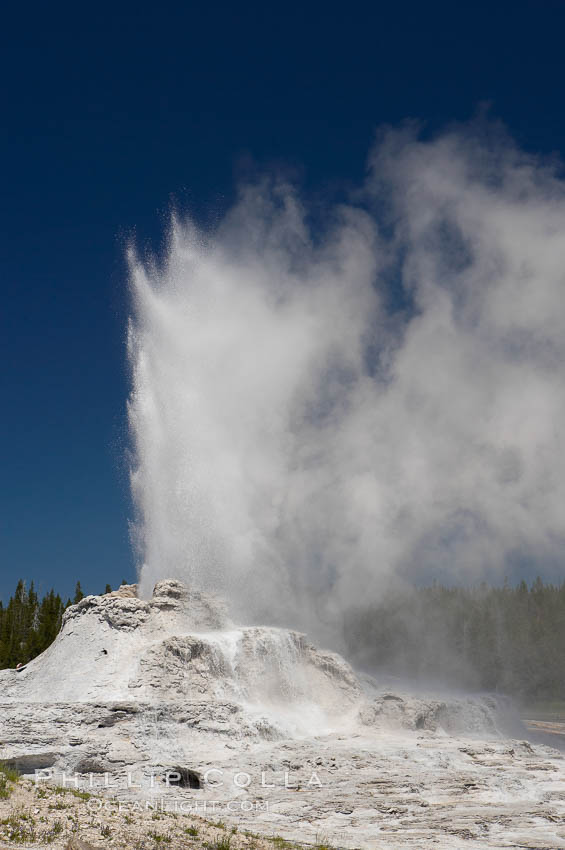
{"x":281,"y":737}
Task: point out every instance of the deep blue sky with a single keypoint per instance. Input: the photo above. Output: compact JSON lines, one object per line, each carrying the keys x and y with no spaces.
{"x":108,"y":114}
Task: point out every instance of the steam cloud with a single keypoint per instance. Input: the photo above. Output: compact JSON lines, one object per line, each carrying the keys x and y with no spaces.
{"x":314,"y":414}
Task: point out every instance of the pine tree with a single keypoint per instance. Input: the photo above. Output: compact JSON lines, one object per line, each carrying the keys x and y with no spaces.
{"x":29,"y":625}
{"x":78,"y":593}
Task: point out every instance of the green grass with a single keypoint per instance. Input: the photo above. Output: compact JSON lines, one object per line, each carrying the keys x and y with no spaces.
{"x":19,"y":828}
{"x":59,"y":806}
{"x":80,"y":795}
{"x":323,"y":844}
{"x":54,"y":832}
{"x":159,"y":838}
{"x":11,"y":774}
{"x":223,"y":843}
{"x":192,"y":831}
{"x":74,"y":792}
{"x":8,"y":778}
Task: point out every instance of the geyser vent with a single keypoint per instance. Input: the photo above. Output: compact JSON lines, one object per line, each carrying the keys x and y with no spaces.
{"x":187,"y":778}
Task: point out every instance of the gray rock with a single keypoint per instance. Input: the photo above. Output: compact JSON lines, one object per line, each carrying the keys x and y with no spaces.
{"x":137,"y":688}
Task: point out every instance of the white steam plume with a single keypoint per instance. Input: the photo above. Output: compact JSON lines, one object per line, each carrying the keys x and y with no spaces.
{"x":313,"y":415}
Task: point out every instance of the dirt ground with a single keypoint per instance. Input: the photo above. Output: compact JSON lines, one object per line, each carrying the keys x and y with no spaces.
{"x":49,"y":817}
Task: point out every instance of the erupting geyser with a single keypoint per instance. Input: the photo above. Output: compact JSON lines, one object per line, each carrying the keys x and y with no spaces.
{"x":316,"y":409}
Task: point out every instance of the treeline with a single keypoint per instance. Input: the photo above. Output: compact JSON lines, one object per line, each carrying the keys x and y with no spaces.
{"x":28,"y":624}
{"x":505,"y":639}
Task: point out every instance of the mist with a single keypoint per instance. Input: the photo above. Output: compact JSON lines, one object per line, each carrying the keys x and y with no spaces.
{"x":325,"y":404}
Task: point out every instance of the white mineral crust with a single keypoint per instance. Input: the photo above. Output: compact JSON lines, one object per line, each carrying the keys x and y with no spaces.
{"x":292,"y":742}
